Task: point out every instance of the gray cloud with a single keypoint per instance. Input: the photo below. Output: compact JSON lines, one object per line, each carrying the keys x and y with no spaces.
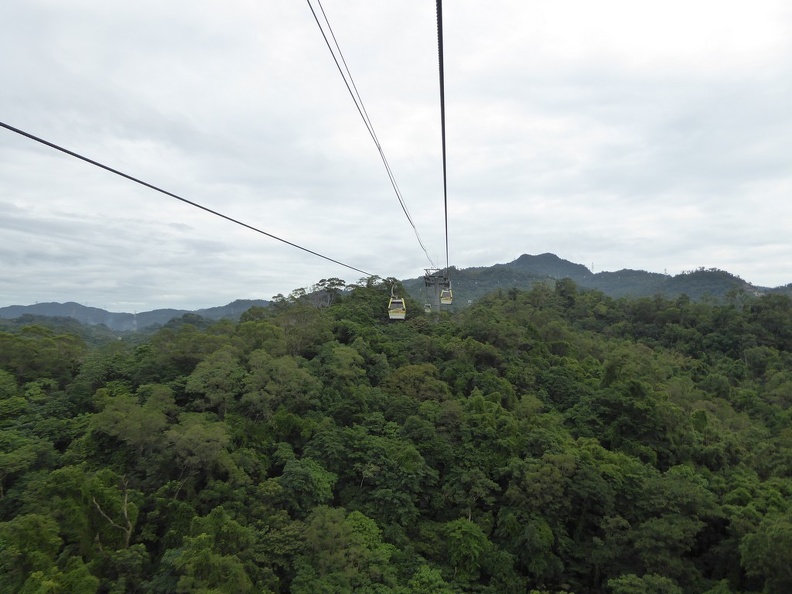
{"x":620,"y":134}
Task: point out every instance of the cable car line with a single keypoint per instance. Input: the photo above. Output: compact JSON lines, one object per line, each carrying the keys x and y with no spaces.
{"x":353,"y":91}
{"x":356,"y":95}
{"x":356,"y":98}
{"x":177,"y":197}
{"x":442,"y":118}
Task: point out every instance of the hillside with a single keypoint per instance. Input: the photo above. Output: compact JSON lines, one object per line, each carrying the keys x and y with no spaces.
{"x":470,"y":284}
{"x":548,"y":441}
{"x":125,"y":322}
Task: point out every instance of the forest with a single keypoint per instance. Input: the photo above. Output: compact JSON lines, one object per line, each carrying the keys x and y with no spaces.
{"x":551,"y":440}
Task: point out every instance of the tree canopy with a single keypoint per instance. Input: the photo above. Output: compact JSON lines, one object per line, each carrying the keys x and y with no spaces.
{"x":550,"y":441}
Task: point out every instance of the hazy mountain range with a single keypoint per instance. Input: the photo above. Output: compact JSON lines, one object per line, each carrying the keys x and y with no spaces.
{"x":127,"y":321}
{"x":468,"y":284}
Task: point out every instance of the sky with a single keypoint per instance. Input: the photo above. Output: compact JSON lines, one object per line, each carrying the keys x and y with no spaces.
{"x":615,"y":134}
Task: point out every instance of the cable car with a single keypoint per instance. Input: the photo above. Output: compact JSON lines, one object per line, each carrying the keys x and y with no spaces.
{"x":427,"y":308}
{"x":446,"y":296}
{"x":397,"y":309}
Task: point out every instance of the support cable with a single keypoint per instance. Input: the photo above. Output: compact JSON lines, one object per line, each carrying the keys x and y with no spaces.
{"x":442,"y":118}
{"x":177,"y":197}
{"x":353,"y":91}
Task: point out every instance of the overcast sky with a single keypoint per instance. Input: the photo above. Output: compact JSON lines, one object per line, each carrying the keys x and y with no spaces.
{"x":616,"y":134}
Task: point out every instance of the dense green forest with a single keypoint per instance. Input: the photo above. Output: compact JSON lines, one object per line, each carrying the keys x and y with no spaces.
{"x":551,"y":440}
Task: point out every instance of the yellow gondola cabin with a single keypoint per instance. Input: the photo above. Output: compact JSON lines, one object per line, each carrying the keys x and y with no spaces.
{"x":397,"y":310}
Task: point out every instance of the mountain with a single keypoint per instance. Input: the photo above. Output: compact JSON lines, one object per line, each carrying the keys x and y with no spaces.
{"x":83,"y":314}
{"x":470,"y":284}
{"x":127,"y":321}
{"x":550,"y":265}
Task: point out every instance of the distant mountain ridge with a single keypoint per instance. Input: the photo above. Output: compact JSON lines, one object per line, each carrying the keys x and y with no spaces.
{"x":127,"y":321}
{"x":469,"y":284}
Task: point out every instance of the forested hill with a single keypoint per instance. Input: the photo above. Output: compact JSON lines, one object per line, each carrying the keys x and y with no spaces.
{"x":539,"y":441}
{"x":127,"y":321}
{"x":469,"y":285}
{"x":527,"y":270}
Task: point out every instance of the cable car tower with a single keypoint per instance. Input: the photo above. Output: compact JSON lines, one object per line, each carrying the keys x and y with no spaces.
{"x":439,"y":285}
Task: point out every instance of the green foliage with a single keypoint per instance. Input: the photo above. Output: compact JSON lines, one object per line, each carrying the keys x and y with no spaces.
{"x":140,"y":426}
{"x":646,"y":584}
{"x":768,"y":552}
{"x":428,"y":581}
{"x":217,"y":556}
{"x":216,"y":382}
{"x":306,"y":484}
{"x":20,"y":453}
{"x":344,"y":553}
{"x":28,"y":544}
{"x":198,"y":446}
{"x":467,"y":546}
{"x":37,"y":353}
{"x":554,"y":440}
